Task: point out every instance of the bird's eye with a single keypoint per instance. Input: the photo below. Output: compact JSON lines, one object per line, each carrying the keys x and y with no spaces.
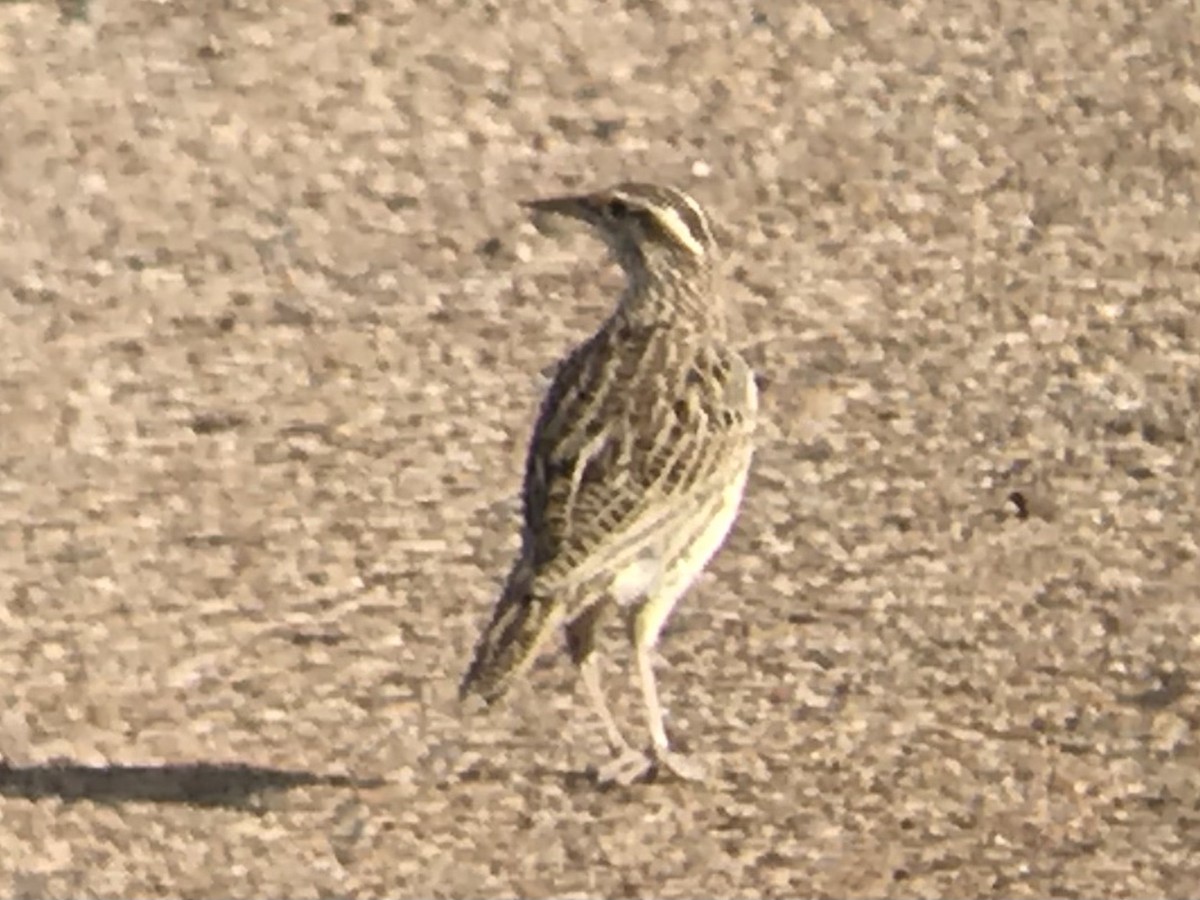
{"x":618,"y":208}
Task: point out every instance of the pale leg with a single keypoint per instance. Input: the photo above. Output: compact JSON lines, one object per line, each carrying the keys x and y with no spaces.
{"x":627,"y":764}
{"x":645,"y":634}
{"x":589,"y":671}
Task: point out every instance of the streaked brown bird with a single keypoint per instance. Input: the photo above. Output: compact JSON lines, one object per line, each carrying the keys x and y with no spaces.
{"x":637,"y":464}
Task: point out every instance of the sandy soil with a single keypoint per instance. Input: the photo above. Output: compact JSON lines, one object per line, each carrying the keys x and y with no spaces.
{"x":271,"y":323}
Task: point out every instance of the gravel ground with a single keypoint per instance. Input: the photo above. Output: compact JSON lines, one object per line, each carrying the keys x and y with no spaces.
{"x":272,"y":323}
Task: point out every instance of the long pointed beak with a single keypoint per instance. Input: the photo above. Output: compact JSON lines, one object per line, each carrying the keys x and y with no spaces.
{"x":575,"y":207}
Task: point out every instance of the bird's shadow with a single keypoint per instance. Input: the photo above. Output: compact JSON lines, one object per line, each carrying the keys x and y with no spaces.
{"x":228,"y":785}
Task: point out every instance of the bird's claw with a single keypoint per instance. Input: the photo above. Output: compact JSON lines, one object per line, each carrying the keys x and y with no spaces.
{"x":630,"y":766}
{"x":683,"y":767}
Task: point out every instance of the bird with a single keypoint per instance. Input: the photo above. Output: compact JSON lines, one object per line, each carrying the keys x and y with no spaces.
{"x":636,"y":467}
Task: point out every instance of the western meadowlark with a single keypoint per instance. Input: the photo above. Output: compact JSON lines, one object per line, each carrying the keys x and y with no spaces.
{"x":637,"y":464}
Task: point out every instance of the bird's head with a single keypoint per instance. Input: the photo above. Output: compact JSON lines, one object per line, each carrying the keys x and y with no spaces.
{"x":656,"y":233}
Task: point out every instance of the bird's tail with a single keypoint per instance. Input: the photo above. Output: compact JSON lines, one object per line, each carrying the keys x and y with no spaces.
{"x":508,"y":645}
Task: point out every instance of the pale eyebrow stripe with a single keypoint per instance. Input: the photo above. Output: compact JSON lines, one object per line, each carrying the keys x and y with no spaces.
{"x":700,"y":216}
{"x":673,"y":222}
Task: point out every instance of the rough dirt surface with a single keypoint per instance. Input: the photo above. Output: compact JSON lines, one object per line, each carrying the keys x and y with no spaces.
{"x":272,"y":323}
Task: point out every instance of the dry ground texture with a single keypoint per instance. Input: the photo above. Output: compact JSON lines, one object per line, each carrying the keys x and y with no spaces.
{"x":272,"y":323}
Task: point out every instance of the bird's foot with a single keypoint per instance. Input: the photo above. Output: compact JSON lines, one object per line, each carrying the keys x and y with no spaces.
{"x":630,"y":766}
{"x":683,"y":767}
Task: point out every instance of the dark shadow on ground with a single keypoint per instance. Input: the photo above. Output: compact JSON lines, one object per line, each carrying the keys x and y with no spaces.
{"x":233,"y":785}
